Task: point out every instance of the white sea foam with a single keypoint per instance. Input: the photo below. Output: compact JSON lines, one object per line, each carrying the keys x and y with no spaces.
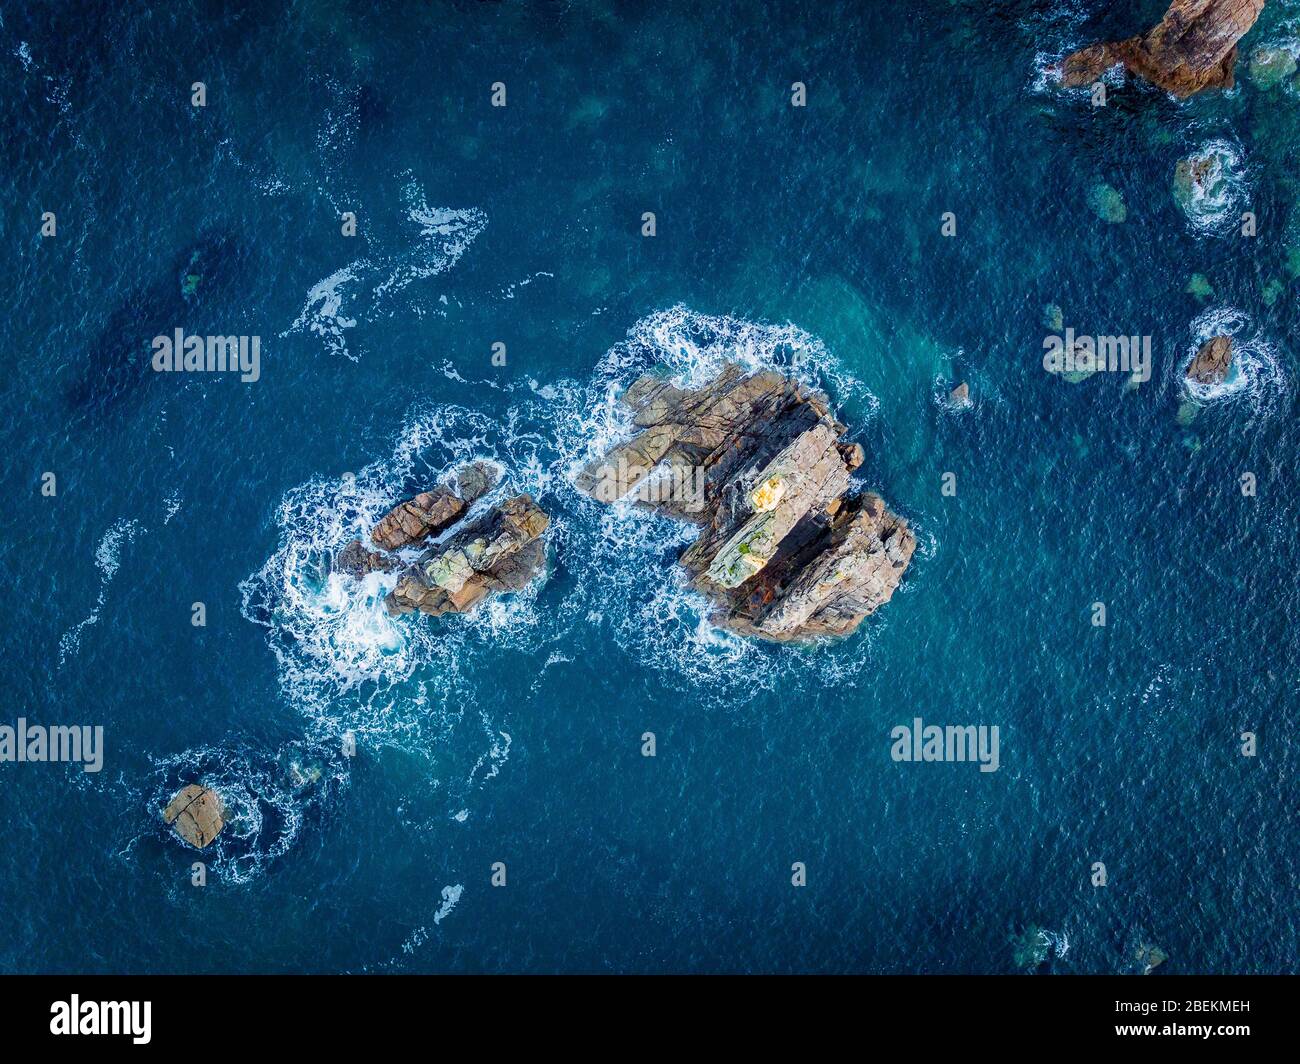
{"x":108,"y":558}
{"x":1214,"y":204}
{"x":366,"y":288}
{"x":450,"y":898}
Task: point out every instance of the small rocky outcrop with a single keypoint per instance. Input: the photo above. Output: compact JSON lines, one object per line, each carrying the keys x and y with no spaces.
{"x":501,"y":552}
{"x":356,"y":560}
{"x":1194,"y":47}
{"x":475,"y":480}
{"x":428,"y":514}
{"x":960,"y":396}
{"x":196,"y":815}
{"x":760,"y":465}
{"x":1212,"y":361}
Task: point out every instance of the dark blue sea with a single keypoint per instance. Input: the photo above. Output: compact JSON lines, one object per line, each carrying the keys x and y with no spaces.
{"x":807,"y":238}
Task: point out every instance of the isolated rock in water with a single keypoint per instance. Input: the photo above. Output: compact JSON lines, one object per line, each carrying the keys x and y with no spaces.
{"x":960,"y":396}
{"x":1210,"y":366}
{"x":428,"y":514}
{"x":475,"y":480}
{"x":355,"y":560}
{"x":196,"y":815}
{"x":1194,"y":47}
{"x":760,"y":465}
{"x":502,"y":551}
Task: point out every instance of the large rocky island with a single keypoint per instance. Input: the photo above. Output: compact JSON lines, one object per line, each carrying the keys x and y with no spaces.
{"x":1194,"y":47}
{"x":784,"y":551}
{"x":501,"y":550}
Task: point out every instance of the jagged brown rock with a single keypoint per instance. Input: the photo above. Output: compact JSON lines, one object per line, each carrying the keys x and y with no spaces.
{"x":196,"y":815}
{"x":760,"y":465}
{"x":428,"y":514}
{"x":475,"y":480}
{"x":1212,"y":361}
{"x":1194,"y":47}
{"x":501,"y":551}
{"x":355,"y":560}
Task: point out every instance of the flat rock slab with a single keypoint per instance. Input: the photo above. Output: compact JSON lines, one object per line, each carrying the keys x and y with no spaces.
{"x":196,"y":815}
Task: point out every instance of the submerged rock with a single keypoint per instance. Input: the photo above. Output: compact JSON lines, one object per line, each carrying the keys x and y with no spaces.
{"x":1107,"y":203}
{"x":1199,"y":286}
{"x":196,"y":815}
{"x":502,"y":551}
{"x":1194,"y":47}
{"x":1269,"y":67}
{"x":1212,"y":361}
{"x":759,"y":464}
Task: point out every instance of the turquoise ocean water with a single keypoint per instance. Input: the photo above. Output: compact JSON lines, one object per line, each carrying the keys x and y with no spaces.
{"x":809,"y":238}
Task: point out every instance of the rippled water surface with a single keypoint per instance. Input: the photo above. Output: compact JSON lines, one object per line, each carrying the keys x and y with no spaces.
{"x":809,"y":239}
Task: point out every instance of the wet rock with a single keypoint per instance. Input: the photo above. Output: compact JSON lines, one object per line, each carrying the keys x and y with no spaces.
{"x":428,"y":514}
{"x":960,"y":396}
{"x":502,"y":551}
{"x":1194,"y":47}
{"x":475,"y":480}
{"x":196,"y":815}
{"x":759,"y":464}
{"x":1212,"y":361}
{"x":356,"y":560}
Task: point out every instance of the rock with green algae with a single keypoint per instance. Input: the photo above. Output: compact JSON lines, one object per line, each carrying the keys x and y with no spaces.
{"x":1269,"y":67}
{"x":1273,"y":291}
{"x":1200,"y":287}
{"x":191,"y":284}
{"x":1107,"y":203}
{"x":1054,"y":317}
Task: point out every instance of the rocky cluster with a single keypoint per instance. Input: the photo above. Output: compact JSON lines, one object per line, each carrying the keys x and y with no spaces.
{"x":1194,"y":47}
{"x":500,"y":551}
{"x":785,"y":552}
